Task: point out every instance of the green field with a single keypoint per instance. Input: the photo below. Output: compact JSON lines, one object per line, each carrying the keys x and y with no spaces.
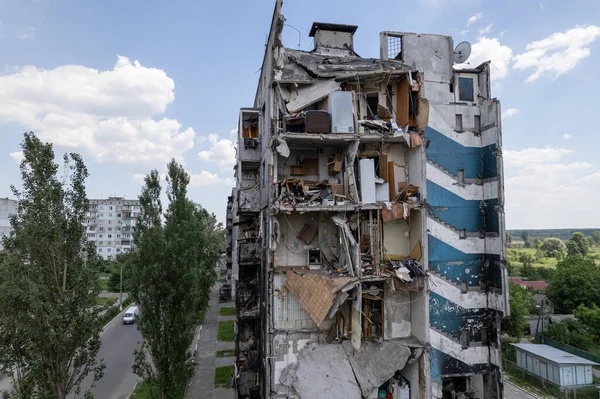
{"x":105,"y":301}
{"x":222,"y":376}
{"x":226,"y":332}
{"x":512,"y":255}
{"x":227,"y":311}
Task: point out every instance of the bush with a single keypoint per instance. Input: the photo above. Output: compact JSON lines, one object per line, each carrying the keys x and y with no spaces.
{"x":571,"y":332}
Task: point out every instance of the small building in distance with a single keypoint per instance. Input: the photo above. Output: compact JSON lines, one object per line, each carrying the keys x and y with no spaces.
{"x":532,"y":285}
{"x":553,"y":365}
{"x":8,"y":207}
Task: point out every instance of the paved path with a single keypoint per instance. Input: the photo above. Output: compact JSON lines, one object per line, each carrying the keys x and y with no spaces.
{"x":201,"y":384}
{"x":118,"y":343}
{"x":512,"y":391}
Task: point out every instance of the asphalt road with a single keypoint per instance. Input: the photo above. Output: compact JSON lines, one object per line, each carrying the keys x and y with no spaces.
{"x":512,"y":392}
{"x":118,"y":343}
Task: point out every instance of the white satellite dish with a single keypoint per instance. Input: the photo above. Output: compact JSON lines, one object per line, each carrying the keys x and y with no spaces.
{"x":462,"y":52}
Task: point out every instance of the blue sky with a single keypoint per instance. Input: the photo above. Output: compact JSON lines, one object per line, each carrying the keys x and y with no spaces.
{"x":132,"y":84}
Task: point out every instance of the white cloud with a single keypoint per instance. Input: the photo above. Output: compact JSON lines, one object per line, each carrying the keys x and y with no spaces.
{"x":510,"y":112}
{"x":486,"y":49}
{"x":26,"y":33}
{"x":221,"y":152}
{"x":464,"y":32}
{"x":533,"y":156}
{"x":205,"y":178}
{"x":474,"y":18}
{"x":540,"y":185}
{"x":233,"y":133}
{"x":202,"y":179}
{"x":567,"y":136}
{"x":558,"y":53}
{"x":17,"y":156}
{"x":487,"y":30}
{"x":107,"y":113}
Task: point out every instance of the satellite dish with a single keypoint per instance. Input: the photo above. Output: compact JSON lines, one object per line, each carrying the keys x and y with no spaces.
{"x":462,"y":52}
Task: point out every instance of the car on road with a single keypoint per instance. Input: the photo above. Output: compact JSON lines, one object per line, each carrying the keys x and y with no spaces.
{"x":225,"y":292}
{"x":131,"y":314}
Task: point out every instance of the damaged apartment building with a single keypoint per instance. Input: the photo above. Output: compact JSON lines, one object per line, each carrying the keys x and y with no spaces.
{"x":367,"y":223}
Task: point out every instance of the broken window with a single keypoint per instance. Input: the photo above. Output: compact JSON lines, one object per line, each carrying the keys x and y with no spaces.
{"x":249,"y":125}
{"x":372,"y":101}
{"x":477,"y":124}
{"x":465,"y":89}
{"x":458,"y":123}
{"x":394,"y":44}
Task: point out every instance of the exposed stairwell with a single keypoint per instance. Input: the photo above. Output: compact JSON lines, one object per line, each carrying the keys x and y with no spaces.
{"x":471,"y":355}
{"x":468,"y":300}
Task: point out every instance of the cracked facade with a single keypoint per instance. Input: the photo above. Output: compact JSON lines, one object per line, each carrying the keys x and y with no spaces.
{"x":367,"y":225}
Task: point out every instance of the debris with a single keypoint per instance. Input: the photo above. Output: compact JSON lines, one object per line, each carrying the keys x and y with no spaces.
{"x":282,"y":148}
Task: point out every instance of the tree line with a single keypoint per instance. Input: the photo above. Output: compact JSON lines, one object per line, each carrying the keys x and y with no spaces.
{"x":49,"y":280}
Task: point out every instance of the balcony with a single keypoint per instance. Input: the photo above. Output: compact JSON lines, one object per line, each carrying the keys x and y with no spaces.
{"x":249,"y":252}
{"x":249,"y":153}
{"x":249,"y":138}
{"x":249,"y":201}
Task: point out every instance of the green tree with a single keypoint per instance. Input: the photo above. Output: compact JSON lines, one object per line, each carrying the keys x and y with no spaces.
{"x":527,"y":261}
{"x":173,"y":270}
{"x":582,"y":243}
{"x":591,"y":242}
{"x":590,"y":317}
{"x":114,"y":280}
{"x":521,"y":304}
{"x":525,"y":238}
{"x":49,"y":329}
{"x":596,"y":237}
{"x":571,"y":332}
{"x":576,"y":281}
{"x":553,"y":247}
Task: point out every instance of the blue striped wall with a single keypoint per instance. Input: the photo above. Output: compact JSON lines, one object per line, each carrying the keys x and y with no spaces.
{"x":473,"y":216}
{"x":452,"y":156}
{"x":462,"y":214}
{"x":457,"y":266}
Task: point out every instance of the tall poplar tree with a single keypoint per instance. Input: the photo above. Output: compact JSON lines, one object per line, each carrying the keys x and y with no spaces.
{"x":49,"y":329}
{"x":173,"y":270}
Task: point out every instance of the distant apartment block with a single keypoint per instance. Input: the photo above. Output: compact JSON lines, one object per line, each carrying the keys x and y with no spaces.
{"x":7,"y":207}
{"x":110,"y":223}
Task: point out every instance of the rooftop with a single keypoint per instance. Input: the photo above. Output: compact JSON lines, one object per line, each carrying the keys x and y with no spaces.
{"x":553,"y":355}
{"x":534,"y":285}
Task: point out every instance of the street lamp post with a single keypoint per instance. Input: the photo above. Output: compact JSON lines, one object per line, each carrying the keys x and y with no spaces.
{"x":121,"y":290}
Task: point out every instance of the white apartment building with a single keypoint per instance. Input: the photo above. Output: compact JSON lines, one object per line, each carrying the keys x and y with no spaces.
{"x":7,"y":208}
{"x":110,"y":224}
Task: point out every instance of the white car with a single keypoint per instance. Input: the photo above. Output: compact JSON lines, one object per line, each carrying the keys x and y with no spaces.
{"x":130,"y":315}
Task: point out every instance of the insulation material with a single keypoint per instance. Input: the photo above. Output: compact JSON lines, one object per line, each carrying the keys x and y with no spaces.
{"x":367,"y":181}
{"x":423,"y":115}
{"x":316,"y":293}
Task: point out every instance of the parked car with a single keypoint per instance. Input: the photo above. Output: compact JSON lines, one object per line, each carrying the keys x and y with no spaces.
{"x":131,"y":314}
{"x":225,"y":292}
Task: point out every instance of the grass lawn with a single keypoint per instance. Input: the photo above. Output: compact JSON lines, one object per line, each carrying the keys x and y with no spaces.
{"x":141,"y":391}
{"x":105,"y":301}
{"x":104,"y":284}
{"x":225,"y":332}
{"x":226,"y":353}
{"x":222,"y":376}
{"x":227,"y":311}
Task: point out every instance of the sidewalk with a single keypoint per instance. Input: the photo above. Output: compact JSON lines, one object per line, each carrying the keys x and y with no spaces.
{"x":201,"y":384}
